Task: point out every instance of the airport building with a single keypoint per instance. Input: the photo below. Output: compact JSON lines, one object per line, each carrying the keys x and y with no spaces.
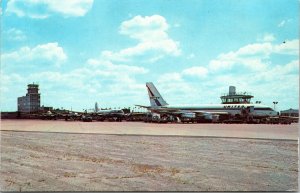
{"x":45,"y":109}
{"x":290,"y":113}
{"x":30,"y":102}
{"x":236,"y":98}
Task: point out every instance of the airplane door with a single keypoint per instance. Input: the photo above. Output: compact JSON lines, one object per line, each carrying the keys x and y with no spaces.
{"x":251,"y":109}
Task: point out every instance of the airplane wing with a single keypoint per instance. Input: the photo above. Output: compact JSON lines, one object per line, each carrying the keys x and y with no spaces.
{"x":147,"y":107}
{"x":198,"y":113}
{"x":219,"y":113}
{"x":211,"y":112}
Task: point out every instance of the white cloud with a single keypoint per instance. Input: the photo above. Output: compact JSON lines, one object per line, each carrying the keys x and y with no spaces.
{"x":109,"y":67}
{"x":197,"y":71}
{"x":41,"y":9}
{"x":289,"y":47}
{"x":154,"y":42}
{"x":50,"y":53}
{"x":71,"y":7}
{"x":256,"y":49}
{"x":146,"y":28}
{"x":14,"y":34}
{"x":252,"y":56}
{"x":170,"y":77}
{"x":293,"y":66}
{"x":267,"y":37}
{"x":178,"y":77}
{"x":9,"y":81}
{"x":221,"y":63}
{"x":98,"y":74}
{"x":279,"y":72}
{"x":284,"y":22}
{"x":178,"y":88}
{"x":173,"y":85}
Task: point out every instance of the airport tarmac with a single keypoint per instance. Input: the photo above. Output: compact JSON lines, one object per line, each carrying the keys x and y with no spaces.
{"x":39,"y":155}
{"x":256,"y":131}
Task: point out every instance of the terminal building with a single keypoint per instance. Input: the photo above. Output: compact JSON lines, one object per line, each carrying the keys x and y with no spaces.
{"x":30,"y":102}
{"x":290,"y":113}
{"x":236,"y":98}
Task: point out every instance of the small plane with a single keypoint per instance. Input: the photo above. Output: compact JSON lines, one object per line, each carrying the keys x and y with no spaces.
{"x":160,"y":106}
{"x":48,"y":116}
{"x":72,"y":115}
{"x":114,"y":114}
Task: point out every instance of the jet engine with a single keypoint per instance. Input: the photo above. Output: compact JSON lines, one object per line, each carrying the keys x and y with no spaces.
{"x":208,"y":116}
{"x":188,"y":115}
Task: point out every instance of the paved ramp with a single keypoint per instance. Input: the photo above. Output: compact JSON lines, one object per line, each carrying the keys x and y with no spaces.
{"x":256,"y":131}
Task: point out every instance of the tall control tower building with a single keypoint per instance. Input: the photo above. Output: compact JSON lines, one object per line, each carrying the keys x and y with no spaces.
{"x":30,"y":102}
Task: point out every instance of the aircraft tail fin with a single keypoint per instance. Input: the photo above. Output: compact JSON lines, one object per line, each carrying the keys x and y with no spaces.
{"x":154,"y":96}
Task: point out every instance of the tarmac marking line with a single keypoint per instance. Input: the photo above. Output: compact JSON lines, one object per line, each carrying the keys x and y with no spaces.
{"x":150,"y":135}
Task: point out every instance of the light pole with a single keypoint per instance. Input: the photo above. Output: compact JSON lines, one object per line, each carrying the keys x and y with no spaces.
{"x":275,"y":102}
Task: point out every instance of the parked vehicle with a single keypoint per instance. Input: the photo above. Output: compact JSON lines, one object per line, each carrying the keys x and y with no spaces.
{"x":87,"y":118}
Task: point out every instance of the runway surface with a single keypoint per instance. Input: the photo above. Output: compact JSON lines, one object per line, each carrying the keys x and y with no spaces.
{"x":255,"y":131}
{"x":41,"y":161}
{"x":39,"y":155}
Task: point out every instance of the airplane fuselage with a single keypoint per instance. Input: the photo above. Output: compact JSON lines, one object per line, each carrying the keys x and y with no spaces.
{"x":111,"y":112}
{"x":233,"y":109}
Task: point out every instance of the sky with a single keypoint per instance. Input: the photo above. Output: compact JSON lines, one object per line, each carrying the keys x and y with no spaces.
{"x":86,"y":51}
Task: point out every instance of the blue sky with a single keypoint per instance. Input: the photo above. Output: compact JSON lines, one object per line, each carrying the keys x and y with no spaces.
{"x":83,"y":51}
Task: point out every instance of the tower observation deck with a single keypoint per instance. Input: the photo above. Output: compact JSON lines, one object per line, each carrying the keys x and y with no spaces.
{"x":236,"y":98}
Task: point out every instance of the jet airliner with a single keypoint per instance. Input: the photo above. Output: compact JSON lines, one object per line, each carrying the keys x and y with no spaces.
{"x":160,"y":106}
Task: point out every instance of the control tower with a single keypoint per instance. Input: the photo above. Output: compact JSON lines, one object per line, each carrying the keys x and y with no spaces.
{"x":236,"y":98}
{"x":30,"y":102}
{"x":34,"y":97}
